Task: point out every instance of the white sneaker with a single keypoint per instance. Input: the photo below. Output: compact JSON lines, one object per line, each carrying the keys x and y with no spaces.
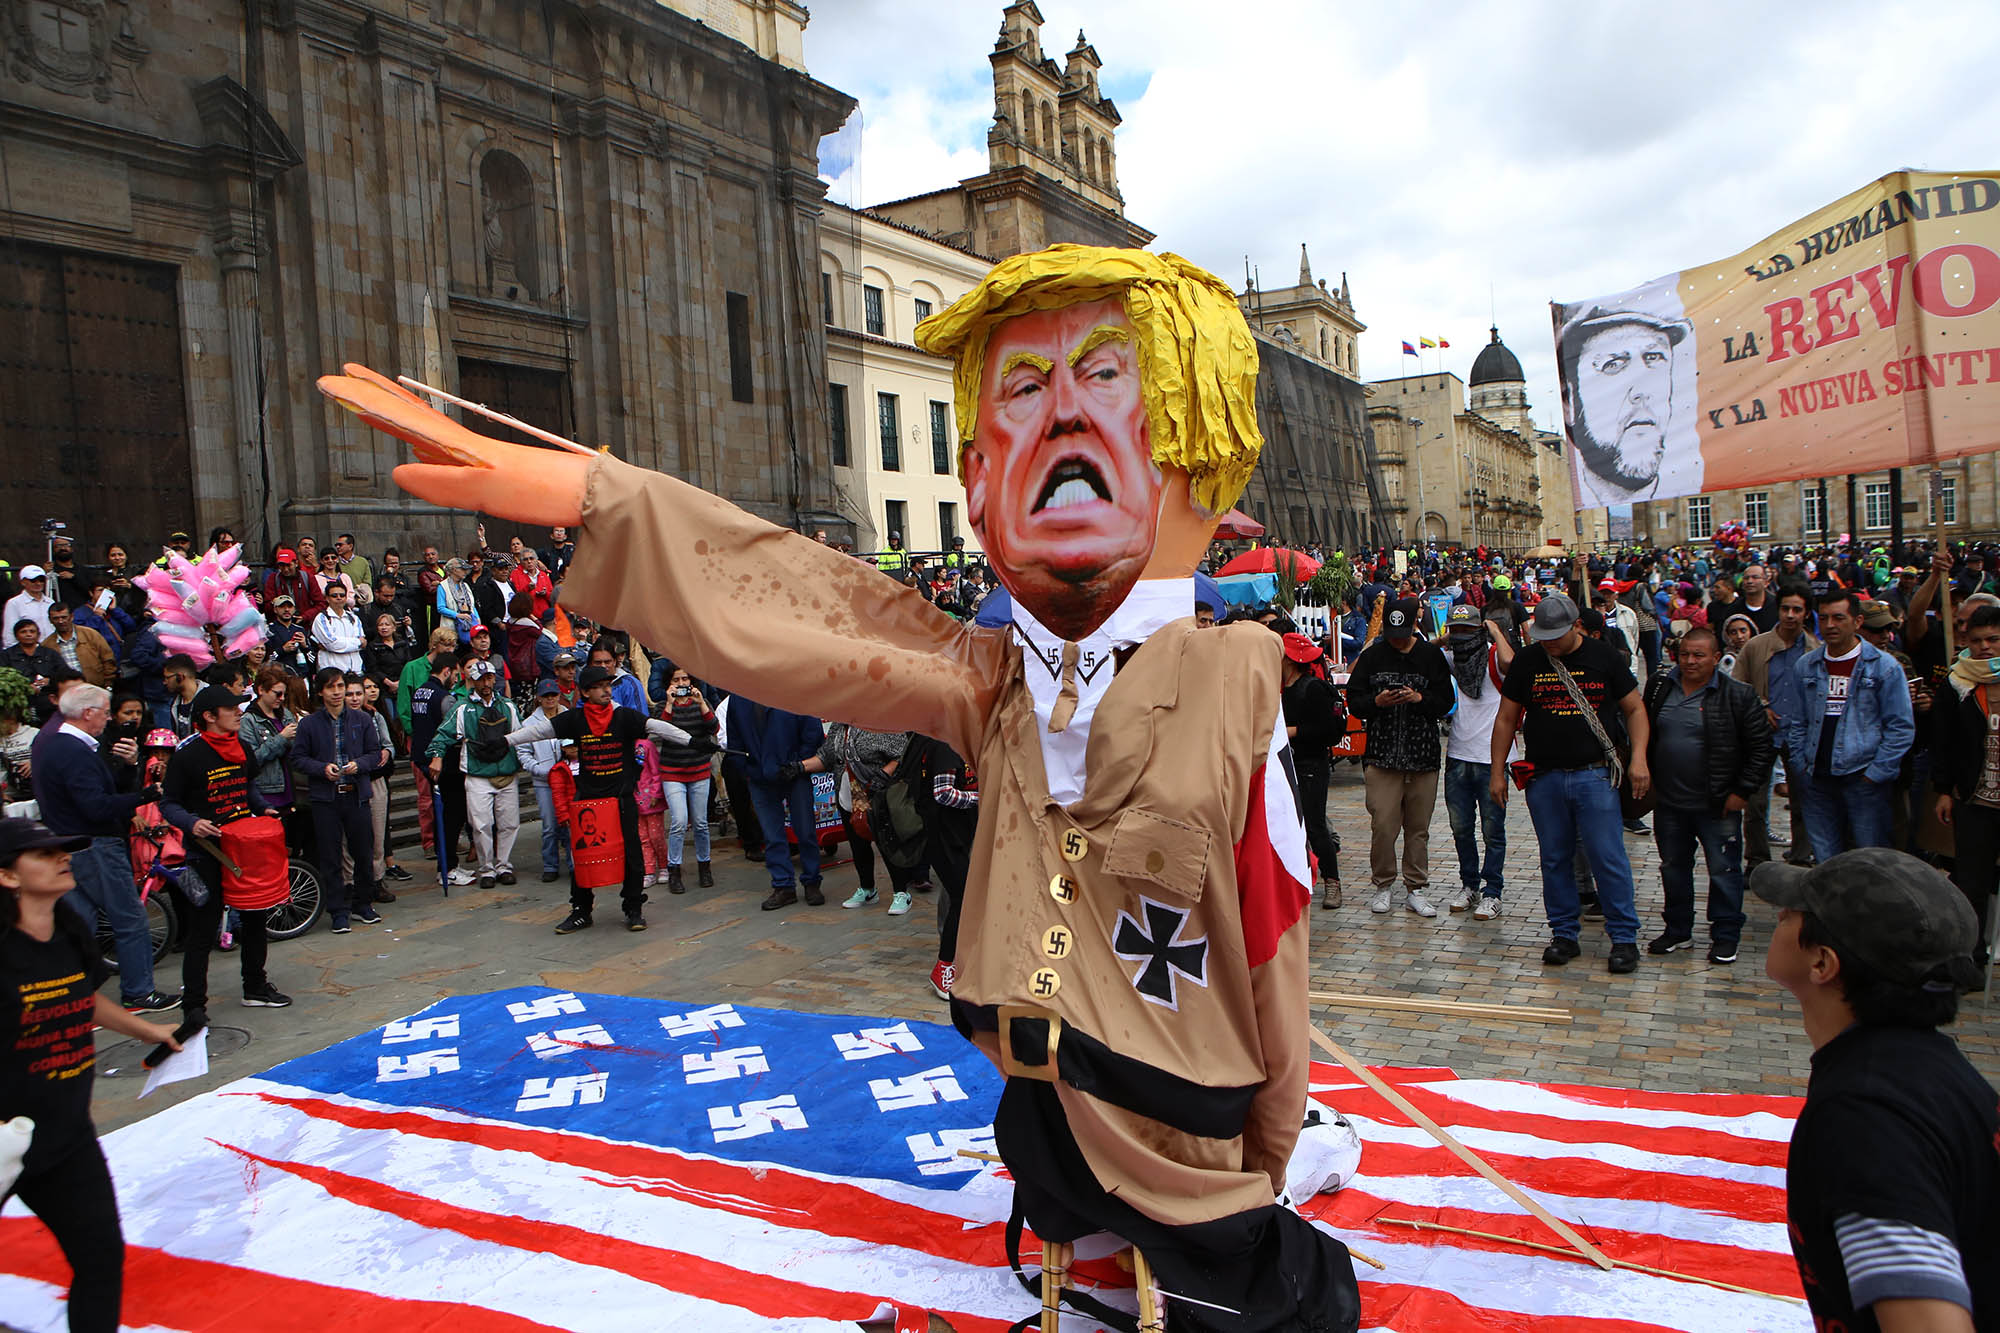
{"x":461,"y":877}
{"x":860,"y":898}
{"x":1419,"y":904}
{"x":1488,"y":909}
{"x":1459,"y":900}
{"x":648,"y":881}
{"x":899,"y":902}
{"x":1379,"y":903}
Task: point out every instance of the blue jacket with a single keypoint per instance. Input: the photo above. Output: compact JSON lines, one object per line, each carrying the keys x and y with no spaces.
{"x":76,"y":791}
{"x":145,"y":656}
{"x":770,"y":739}
{"x":1875,"y":731}
{"x":312,"y":750}
{"x":627,"y":692}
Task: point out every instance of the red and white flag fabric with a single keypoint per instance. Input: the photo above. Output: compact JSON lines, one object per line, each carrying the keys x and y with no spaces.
{"x":531,"y":1160}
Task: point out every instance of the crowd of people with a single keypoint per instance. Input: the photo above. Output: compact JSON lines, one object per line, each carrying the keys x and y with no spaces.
{"x":1688,"y":685}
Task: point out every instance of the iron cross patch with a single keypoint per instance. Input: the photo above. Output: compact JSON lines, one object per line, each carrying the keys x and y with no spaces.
{"x":1165,"y":956}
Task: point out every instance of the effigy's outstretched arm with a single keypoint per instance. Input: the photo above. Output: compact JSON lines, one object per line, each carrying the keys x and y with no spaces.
{"x":750,"y":606}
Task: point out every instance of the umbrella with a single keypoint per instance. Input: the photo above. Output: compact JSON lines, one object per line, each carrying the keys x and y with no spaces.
{"x":1265,"y":559}
{"x":1548,"y":553}
{"x":1236,"y":523}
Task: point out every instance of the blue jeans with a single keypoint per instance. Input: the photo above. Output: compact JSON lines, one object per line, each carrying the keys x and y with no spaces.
{"x":1581,"y":806}
{"x":1676,"y":832}
{"x":1844,"y":813}
{"x":555,"y":833}
{"x":687,"y":802}
{"x":1467,"y":798}
{"x":104,"y":888}
{"x":774,"y":803}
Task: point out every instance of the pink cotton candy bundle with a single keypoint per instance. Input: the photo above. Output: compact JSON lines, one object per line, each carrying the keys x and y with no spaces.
{"x":191,"y":598}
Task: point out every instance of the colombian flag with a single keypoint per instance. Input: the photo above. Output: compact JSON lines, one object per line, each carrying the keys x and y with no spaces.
{"x":1427,"y":342}
{"x":1443,"y":343}
{"x":1409,"y":350}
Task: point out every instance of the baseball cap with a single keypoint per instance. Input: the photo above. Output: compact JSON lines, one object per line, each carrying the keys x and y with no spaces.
{"x":477,"y":629}
{"x":284,"y":598}
{"x":1401,"y":622}
{"x":33,"y":572}
{"x":1592,"y":318}
{"x":1878,"y":615}
{"x":548,"y":686}
{"x":287,"y":556}
{"x":28,"y":835}
{"x":595,"y":675}
{"x":1463,"y":617}
{"x":1553,"y":618}
{"x":211,"y":698}
{"x":478,"y":668}
{"x":1300,"y":649}
{"x":1888,"y":909}
{"x":565,"y":659}
{"x":1608,"y":584}
{"x":1502,"y":582}
{"x":178,"y":537}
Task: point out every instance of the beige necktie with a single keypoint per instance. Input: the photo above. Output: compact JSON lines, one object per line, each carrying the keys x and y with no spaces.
{"x":1065,"y":706}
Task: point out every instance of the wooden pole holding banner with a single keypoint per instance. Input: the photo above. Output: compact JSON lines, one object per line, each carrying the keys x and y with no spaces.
{"x":1463,"y":1153}
{"x":1944,"y":579}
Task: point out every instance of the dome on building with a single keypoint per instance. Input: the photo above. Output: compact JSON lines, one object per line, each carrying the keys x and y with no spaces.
{"x":1496,"y":365}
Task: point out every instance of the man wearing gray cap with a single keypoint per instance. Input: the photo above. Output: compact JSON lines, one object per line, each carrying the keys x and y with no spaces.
{"x":1618,"y":393}
{"x":1568,"y":695}
{"x":1893,"y":1183}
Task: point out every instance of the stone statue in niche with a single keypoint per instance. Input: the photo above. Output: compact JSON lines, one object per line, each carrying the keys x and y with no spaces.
{"x":507,"y":228}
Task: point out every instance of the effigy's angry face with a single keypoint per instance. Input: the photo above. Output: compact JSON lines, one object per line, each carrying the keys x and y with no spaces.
{"x":1060,"y":481}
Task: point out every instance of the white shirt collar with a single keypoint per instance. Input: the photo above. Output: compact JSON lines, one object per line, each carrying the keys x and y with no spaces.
{"x":1151,"y":605}
{"x":74,"y":730}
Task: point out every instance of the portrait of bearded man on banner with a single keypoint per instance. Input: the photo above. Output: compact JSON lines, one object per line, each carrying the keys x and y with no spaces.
{"x":1628,"y":398}
{"x":1132,"y":952}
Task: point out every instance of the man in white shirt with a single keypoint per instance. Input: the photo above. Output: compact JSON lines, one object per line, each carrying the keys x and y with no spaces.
{"x":31,"y":603}
{"x":1480,"y":655}
{"x":337,"y":631}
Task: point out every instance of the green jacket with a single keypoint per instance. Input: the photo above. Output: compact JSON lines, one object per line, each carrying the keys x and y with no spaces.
{"x":415,"y":672}
{"x":462,"y":725}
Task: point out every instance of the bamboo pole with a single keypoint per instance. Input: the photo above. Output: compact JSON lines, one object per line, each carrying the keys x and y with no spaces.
{"x":500,"y":417}
{"x":1526,"y":1013}
{"x":1571,"y":1254}
{"x":1464,"y":1154}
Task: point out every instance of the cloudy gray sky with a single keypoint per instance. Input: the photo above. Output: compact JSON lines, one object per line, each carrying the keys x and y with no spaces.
{"x":1437,"y":153}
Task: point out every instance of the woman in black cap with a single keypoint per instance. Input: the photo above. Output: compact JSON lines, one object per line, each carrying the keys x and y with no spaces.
{"x":50,"y":972}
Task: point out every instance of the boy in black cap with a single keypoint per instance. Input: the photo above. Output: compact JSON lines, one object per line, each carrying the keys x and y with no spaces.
{"x":208,"y":784}
{"x":1893,"y":1183}
{"x":606,"y":736}
{"x":49,"y":975}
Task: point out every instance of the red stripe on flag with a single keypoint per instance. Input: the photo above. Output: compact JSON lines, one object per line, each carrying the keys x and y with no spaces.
{"x":672,"y":1270}
{"x":1411,"y":1309}
{"x":829,"y":1207}
{"x":1675,"y":1140}
{"x":1354,"y":1209}
{"x":1580,"y":1177}
{"x":1271,"y":898}
{"x":173,"y":1291}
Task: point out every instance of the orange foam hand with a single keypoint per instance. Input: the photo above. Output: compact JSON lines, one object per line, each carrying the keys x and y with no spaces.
{"x":461,"y":468}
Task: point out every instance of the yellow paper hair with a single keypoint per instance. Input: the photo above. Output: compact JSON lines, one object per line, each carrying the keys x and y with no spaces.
{"x":1197,"y":360}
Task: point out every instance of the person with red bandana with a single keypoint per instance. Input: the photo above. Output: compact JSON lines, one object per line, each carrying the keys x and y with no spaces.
{"x":607,"y":738}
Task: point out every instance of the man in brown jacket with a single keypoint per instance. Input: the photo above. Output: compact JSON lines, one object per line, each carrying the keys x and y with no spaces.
{"x":1133,"y":947}
{"x":81,"y":647}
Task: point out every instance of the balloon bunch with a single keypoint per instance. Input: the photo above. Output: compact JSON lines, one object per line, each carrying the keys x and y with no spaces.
{"x":192,"y":600}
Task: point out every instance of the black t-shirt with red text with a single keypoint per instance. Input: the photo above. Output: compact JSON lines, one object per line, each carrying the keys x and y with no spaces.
{"x":1554,"y":731}
{"x":607,"y":762}
{"x":48,"y":992}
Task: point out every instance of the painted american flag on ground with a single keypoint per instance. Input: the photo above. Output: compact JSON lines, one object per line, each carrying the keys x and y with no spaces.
{"x":533,"y":1160}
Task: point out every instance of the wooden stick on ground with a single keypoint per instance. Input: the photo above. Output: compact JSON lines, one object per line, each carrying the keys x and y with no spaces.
{"x":1464,"y":1154}
{"x":1526,"y":1013}
{"x":1571,"y":1254}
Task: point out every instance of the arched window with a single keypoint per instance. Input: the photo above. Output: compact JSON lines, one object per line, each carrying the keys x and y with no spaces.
{"x":1050,"y":143}
{"x":1104,"y":158}
{"x":1090,"y":158}
{"x":507,"y":227}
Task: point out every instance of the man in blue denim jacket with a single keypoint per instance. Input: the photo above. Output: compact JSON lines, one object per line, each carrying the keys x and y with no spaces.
{"x":1847,"y":725}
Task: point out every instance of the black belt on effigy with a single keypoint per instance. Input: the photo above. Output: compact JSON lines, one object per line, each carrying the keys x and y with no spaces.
{"x":1036,"y":1044}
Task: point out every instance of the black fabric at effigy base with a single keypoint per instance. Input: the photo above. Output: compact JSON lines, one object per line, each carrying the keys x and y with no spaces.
{"x":1271,"y":1267}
